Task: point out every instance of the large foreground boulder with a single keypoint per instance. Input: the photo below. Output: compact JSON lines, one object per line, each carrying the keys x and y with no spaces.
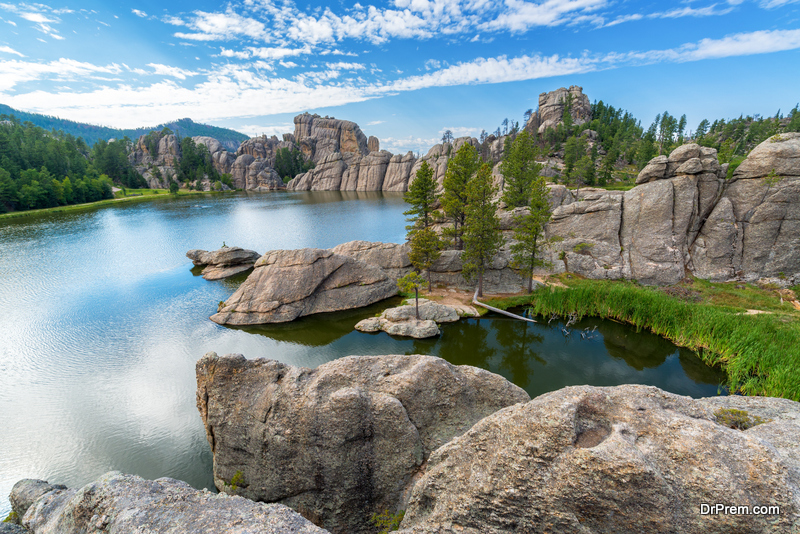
{"x":124,"y":504}
{"x":287,"y":284}
{"x":626,"y":459}
{"x":343,"y":441}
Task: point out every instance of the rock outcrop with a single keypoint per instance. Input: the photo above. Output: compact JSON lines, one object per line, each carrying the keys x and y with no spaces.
{"x":157,"y":166}
{"x":320,"y":137}
{"x":402,"y":320}
{"x":287,"y":284}
{"x":684,"y":217}
{"x":224,"y":262}
{"x":626,"y":459}
{"x":126,"y":503}
{"x":342,"y":441}
{"x":552,"y":105}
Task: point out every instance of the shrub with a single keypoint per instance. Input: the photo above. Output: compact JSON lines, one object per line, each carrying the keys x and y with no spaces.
{"x":738,"y":419}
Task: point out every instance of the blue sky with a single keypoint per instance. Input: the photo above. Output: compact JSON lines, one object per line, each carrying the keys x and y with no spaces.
{"x":404,"y":70}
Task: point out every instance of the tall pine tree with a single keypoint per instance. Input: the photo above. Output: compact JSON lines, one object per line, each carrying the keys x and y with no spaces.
{"x":530,"y":231}
{"x":519,"y":169}
{"x":421,"y":196}
{"x":460,"y":169}
{"x":482,"y":236}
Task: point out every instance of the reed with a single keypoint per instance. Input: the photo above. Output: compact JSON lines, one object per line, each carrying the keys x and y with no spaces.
{"x":760,"y":353}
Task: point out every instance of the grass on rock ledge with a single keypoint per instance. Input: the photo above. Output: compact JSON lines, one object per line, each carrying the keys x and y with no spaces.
{"x":760,"y":353}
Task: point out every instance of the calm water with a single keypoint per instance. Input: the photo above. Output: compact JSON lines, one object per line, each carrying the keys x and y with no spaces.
{"x":103,"y":320}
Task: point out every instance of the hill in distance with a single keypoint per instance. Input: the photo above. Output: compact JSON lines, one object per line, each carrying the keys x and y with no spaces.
{"x":91,"y":133}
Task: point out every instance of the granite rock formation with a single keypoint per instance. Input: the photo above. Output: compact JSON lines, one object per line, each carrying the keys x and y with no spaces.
{"x":118,"y":503}
{"x":342,"y":441}
{"x":684,"y":217}
{"x":287,"y":284}
{"x":552,"y":105}
{"x":224,"y":262}
{"x":626,"y":459}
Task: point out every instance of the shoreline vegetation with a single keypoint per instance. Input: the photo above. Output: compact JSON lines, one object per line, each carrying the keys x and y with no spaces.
{"x":133,"y":195}
{"x":748,"y":331}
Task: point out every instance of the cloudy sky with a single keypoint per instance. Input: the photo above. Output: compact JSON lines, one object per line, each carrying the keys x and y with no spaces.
{"x":405,"y":70}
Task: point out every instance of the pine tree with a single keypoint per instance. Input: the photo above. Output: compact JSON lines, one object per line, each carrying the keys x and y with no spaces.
{"x":482,"y":237}
{"x":426,"y":248}
{"x":519,"y":170}
{"x":421,"y":195}
{"x":460,"y":169}
{"x":529,"y":232}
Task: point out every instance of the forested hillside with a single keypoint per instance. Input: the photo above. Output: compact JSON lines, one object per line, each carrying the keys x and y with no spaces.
{"x":617,"y":140}
{"x":40,"y":169}
{"x":91,"y":133}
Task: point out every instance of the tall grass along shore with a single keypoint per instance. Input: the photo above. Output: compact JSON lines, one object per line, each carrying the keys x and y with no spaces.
{"x":760,"y":352}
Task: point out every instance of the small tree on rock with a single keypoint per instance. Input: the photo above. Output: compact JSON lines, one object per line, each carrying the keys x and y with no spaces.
{"x":412,"y":282}
{"x":482,"y":236}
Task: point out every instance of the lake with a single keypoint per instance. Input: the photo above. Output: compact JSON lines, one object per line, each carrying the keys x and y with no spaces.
{"x":103,"y":320}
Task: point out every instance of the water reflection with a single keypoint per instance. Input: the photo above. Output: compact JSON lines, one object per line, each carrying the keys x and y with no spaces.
{"x":105,"y":319}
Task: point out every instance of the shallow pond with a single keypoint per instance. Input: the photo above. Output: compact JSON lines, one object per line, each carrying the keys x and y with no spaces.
{"x":103,"y":320}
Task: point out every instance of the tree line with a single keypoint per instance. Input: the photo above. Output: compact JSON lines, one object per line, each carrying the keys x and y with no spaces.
{"x":467,"y":204}
{"x":41,"y":169}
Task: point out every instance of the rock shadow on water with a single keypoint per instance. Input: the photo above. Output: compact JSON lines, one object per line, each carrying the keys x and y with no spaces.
{"x":318,"y":330}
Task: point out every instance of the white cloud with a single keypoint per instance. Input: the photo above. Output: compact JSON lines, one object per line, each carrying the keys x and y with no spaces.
{"x":268,"y":130}
{"x":139,"y":13}
{"x":287,"y":64}
{"x":375,"y":123}
{"x":14,"y":72}
{"x":461,"y":131}
{"x":771,"y":4}
{"x":433,"y":64}
{"x":220,"y":26}
{"x":175,"y":72}
{"x":404,"y":144}
{"x":9,"y":50}
{"x":740,"y":44}
{"x":37,"y":18}
{"x":520,"y":15}
{"x":342,"y":65}
{"x":495,"y":70}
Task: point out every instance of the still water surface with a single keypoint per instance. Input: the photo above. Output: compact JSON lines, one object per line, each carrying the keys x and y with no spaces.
{"x":103,"y":320}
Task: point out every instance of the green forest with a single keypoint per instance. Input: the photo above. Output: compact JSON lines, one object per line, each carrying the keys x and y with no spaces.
{"x":91,"y":133}
{"x":623,"y":143}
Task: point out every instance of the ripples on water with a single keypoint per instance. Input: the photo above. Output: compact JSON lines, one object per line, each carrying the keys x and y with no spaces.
{"x":103,"y":321}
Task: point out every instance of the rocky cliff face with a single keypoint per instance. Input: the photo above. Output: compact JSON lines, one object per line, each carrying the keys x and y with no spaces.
{"x":683,"y":217}
{"x":552,"y":105}
{"x":158,"y":166}
{"x":342,"y":441}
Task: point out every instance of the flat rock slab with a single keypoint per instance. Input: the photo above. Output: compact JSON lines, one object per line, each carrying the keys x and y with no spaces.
{"x":625,"y":459}
{"x":402,"y":320}
{"x":119,"y":503}
{"x":342,"y":441}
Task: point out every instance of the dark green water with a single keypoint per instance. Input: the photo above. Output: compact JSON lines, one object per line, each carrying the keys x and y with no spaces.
{"x":103,"y":321}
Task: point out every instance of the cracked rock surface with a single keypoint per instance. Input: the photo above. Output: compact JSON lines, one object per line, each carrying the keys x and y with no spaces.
{"x":342,"y":441}
{"x":625,"y":459}
{"x":117,"y":503}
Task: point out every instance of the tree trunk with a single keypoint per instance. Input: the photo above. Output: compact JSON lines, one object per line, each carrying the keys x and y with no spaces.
{"x":416,"y":301}
{"x":480,"y":284}
{"x":430,"y":284}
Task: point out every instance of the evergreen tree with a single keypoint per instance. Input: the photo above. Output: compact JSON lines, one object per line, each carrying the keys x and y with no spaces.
{"x":425,"y":250}
{"x":529,"y":232}
{"x":482,"y":236}
{"x":421,"y":195}
{"x":460,"y":169}
{"x":519,"y":170}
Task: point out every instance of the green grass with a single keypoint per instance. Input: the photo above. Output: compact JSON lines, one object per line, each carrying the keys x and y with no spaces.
{"x":759,"y":353}
{"x":147,"y":194}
